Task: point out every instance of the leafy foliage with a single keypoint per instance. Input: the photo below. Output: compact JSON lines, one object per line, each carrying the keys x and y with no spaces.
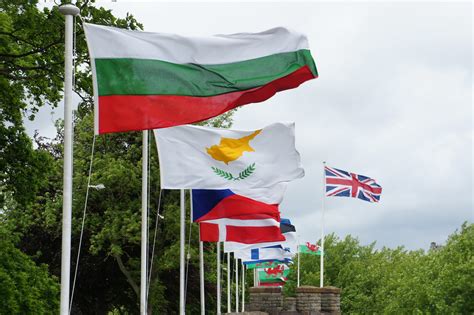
{"x":25,"y":288}
{"x":396,"y":281}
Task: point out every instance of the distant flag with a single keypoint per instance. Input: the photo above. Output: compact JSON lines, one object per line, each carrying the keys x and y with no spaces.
{"x":194,"y":157}
{"x":287,"y":229}
{"x":275,"y":274}
{"x":265,"y":253}
{"x":267,"y":263}
{"x":145,"y":80}
{"x":308,"y":248}
{"x":272,"y":284}
{"x":345,"y":184}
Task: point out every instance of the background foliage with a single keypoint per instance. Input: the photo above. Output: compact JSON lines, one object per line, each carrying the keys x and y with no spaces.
{"x":396,"y":281}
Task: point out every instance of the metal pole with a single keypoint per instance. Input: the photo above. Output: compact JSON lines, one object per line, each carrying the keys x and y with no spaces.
{"x":254,"y":277}
{"x":236,"y":285}
{"x":69,"y":11}
{"x":321,"y":282}
{"x":243,"y":286}
{"x":218,"y":278}
{"x":299,"y":258}
{"x":181,"y":252}
{"x":201,"y":277}
{"x":144,"y":243}
{"x":228,"y":283}
{"x":201,"y":260}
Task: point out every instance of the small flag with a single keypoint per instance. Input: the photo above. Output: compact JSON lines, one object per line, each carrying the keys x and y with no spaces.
{"x":275,"y":274}
{"x":193,"y":157}
{"x":272,"y":284}
{"x":345,"y":184}
{"x":288,"y":231}
{"x":266,"y":263}
{"x":145,"y":80}
{"x":265,"y":253}
{"x":312,"y":249}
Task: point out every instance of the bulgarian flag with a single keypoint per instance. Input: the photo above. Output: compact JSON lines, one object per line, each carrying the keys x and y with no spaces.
{"x":312,"y":249}
{"x":146,"y":80}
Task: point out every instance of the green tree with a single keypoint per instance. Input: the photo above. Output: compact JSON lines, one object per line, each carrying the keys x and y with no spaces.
{"x":25,"y":288}
{"x":396,"y":281}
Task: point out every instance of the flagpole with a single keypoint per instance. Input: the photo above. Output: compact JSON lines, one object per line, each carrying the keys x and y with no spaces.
{"x":144,"y":237}
{"x":321,"y":282}
{"x":236,"y":285}
{"x":218,"y":278}
{"x":243,"y":286}
{"x":299,"y":257}
{"x":254,"y":277}
{"x":69,"y":11}
{"x":228,"y":283}
{"x":201,"y":262}
{"x":181,"y":253}
{"x":201,"y":276}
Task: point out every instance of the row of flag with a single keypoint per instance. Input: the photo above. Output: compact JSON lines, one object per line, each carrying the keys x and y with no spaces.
{"x":158,"y":81}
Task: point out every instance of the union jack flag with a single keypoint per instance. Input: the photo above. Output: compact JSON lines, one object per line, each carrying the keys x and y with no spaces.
{"x":345,"y":184}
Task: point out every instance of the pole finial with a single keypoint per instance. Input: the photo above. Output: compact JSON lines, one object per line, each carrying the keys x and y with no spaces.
{"x":69,"y":9}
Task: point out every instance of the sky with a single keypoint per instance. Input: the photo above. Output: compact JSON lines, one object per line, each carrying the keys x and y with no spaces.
{"x":393,"y":101}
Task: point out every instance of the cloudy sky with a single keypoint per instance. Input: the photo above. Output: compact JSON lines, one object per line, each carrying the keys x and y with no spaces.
{"x":393,"y":102}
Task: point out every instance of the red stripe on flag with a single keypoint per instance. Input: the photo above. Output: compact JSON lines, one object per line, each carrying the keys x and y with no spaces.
{"x":254,"y":234}
{"x":272,"y":284}
{"x":242,"y":208}
{"x":119,"y":113}
{"x":209,"y":232}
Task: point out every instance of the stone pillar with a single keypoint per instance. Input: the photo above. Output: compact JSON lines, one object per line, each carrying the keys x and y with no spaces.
{"x":308,"y":300}
{"x":289,"y":304}
{"x":265,"y":299}
{"x":330,"y":300}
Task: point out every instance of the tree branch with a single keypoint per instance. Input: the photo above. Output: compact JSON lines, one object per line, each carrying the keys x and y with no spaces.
{"x":127,"y":275}
{"x":35,"y":51}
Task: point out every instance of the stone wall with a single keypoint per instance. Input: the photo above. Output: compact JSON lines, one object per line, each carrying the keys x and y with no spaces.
{"x":330,"y":300}
{"x":309,"y":301}
{"x":265,"y":299}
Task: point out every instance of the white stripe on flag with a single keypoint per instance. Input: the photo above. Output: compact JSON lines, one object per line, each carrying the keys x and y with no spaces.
{"x":237,"y":222}
{"x":111,"y":42}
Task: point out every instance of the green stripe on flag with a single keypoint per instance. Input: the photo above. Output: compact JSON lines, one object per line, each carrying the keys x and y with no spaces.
{"x":303,"y":249}
{"x":267,"y":264}
{"x":128,"y":76}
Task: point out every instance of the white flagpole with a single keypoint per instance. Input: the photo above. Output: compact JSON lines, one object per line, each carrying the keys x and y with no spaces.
{"x":236,"y":285}
{"x":243,"y":286}
{"x":201,"y":276}
{"x":201,"y":262}
{"x":69,"y":11}
{"x":228,"y":283}
{"x":218,"y":278}
{"x":181,"y":253}
{"x":144,"y":243}
{"x":299,"y":258}
{"x":321,"y":282}
{"x":254,"y":277}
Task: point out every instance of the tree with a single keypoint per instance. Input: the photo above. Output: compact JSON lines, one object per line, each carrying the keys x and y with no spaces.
{"x":396,"y":281}
{"x":25,"y":288}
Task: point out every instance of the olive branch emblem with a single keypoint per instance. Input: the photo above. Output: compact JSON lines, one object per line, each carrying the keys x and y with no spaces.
{"x":242,"y":175}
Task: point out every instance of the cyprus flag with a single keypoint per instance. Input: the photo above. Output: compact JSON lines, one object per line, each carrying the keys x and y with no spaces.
{"x":193,"y":157}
